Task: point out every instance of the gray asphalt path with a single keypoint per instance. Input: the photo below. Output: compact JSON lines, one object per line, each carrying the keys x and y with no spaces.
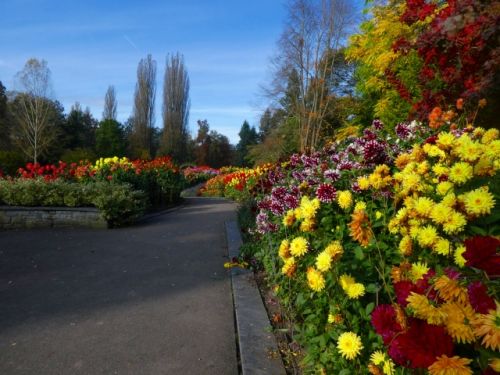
{"x":148,"y":299}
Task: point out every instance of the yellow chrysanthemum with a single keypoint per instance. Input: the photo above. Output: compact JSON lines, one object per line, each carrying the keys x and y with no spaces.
{"x":478,"y":202}
{"x":467,"y":149}
{"x":284,"y":249}
{"x":450,"y":290}
{"x":495,"y":364}
{"x":356,"y":290}
{"x":349,"y":345}
{"x":324,"y":261}
{"x":445,"y":140}
{"x":308,"y":207}
{"x":450,"y":366}
{"x":457,"y":256}
{"x":406,"y":246}
{"x":423,"y":309}
{"x":418,"y":270}
{"x":460,"y":173}
{"x":427,"y":236}
{"x":440,"y":169}
{"x":449,"y":200}
{"x":335,"y":318}
{"x":344,"y":199}
{"x":402,"y":160}
{"x":490,"y":135}
{"x":444,"y":187}
{"x":315,"y":279}
{"x":335,"y":250}
{"x":456,"y":222}
{"x":377,"y":357}
{"x":440,"y":213}
{"x":376,"y":181}
{"x":346,"y":280}
{"x":442,"y":247}
{"x":360,"y":206}
{"x":487,"y":326}
{"x":298,"y":246}
{"x":363,"y":183}
{"x":289,"y":218}
{"x":457,"y":323}
{"x":289,"y":267}
{"x":423,"y":206}
{"x":307,"y":225}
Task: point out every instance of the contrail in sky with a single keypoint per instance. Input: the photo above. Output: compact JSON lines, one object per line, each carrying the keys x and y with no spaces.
{"x":130,"y":42}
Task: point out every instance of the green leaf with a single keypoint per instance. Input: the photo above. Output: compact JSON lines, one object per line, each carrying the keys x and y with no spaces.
{"x":358,"y":253}
{"x":369,"y":308}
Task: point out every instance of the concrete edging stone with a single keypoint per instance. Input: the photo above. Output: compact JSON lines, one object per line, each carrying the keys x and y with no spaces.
{"x":257,"y":343}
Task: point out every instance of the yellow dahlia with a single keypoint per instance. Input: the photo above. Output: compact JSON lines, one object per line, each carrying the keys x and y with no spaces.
{"x":460,"y":173}
{"x":418,"y":270}
{"x":440,"y":213}
{"x":479,"y":201}
{"x":315,"y":279}
{"x":335,"y":318}
{"x":360,"y":206}
{"x":457,"y":323}
{"x":307,"y":225}
{"x":445,"y":140}
{"x":298,"y":246}
{"x":284,"y":249}
{"x":335,"y":250}
{"x":450,"y":290}
{"x":344,"y":199}
{"x":289,"y":267}
{"x":423,"y":206}
{"x":324,"y":261}
{"x":490,"y":135}
{"x":363,"y":183}
{"x":423,"y":309}
{"x":360,"y":228}
{"x":444,"y":187}
{"x":289,"y":218}
{"x":450,"y":366}
{"x":442,"y":246}
{"x":495,"y":364}
{"x":406,"y":246}
{"x":427,"y":236}
{"x":354,"y":291}
{"x":487,"y":326}
{"x":349,"y":345}
{"x":456,"y":222}
{"x":346,"y":280}
{"x":457,"y":256}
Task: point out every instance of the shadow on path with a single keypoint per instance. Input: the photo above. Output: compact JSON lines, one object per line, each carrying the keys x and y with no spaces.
{"x":149,"y":299}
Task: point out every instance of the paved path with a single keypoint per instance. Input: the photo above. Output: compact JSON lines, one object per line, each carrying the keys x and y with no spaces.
{"x":149,"y":299}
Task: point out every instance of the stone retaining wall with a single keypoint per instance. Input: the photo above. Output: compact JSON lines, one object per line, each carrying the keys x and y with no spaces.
{"x":12,"y":217}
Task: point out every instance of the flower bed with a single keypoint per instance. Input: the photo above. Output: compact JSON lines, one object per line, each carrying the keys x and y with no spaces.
{"x":120,"y":188}
{"x":383,"y":250}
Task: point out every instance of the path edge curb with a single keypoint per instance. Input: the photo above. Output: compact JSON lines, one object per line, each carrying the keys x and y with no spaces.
{"x":258,"y":350}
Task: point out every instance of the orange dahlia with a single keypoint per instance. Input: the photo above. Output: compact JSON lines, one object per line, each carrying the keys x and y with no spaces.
{"x":487,"y":326}
{"x":445,"y":365}
{"x":360,"y":227}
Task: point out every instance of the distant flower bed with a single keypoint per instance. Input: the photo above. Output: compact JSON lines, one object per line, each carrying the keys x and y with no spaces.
{"x":384,"y":249}
{"x":197,"y":174}
{"x":117,"y":185}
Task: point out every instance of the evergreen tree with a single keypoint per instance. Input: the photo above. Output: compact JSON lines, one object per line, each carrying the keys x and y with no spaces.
{"x":110,"y":140}
{"x":248,"y":136}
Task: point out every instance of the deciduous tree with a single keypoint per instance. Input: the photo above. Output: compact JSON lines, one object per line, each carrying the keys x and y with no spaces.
{"x":110,"y":104}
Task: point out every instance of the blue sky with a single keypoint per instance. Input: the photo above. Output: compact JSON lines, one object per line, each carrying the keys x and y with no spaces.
{"x":95,"y":43}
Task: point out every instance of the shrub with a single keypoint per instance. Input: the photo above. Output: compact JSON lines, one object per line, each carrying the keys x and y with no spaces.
{"x":119,"y":203}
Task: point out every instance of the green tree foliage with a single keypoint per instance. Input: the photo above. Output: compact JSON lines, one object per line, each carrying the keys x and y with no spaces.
{"x":79,"y":128}
{"x":212,"y":148}
{"x":110,"y":139}
{"x":248,"y":137}
{"x":5,"y":143}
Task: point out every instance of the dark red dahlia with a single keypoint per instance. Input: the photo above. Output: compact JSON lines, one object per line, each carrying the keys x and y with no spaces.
{"x":479,"y":298}
{"x":325,"y":193}
{"x":419,"y":346}
{"x":384,"y":322}
{"x":482,"y":253}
